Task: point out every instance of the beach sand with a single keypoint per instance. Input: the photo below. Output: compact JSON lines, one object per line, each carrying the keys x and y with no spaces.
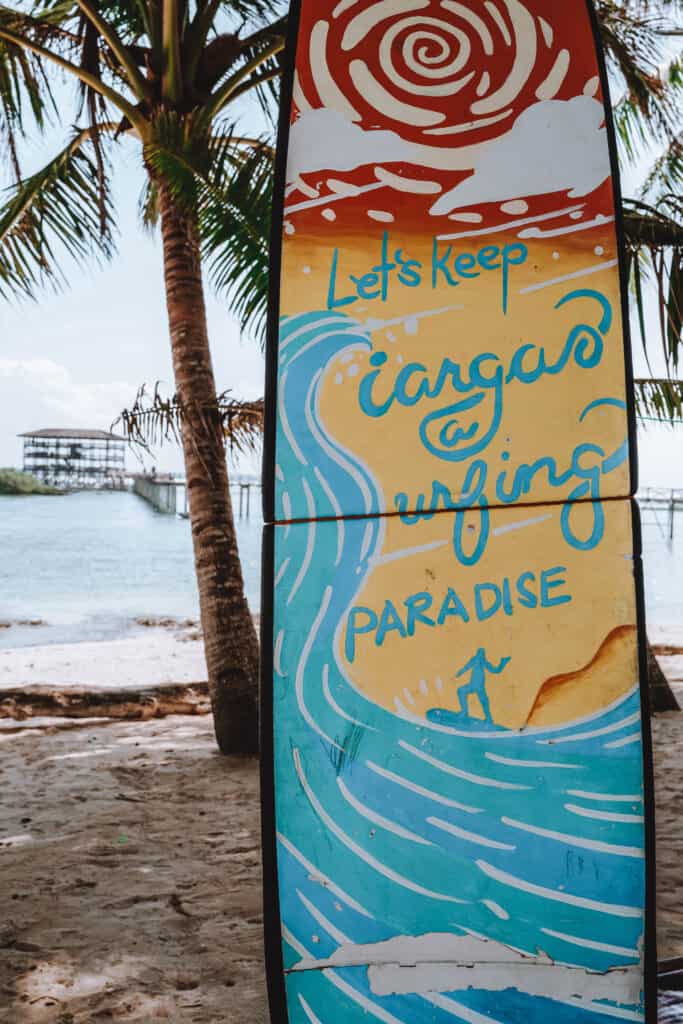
{"x":130,"y":864}
{"x":150,"y":658}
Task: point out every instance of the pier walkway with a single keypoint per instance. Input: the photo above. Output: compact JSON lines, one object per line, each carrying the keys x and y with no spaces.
{"x":168,"y":495}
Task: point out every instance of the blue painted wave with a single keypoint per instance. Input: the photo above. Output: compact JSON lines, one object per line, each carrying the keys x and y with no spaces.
{"x":391,"y":827}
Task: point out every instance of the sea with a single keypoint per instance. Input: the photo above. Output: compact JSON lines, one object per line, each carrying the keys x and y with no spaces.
{"x":91,"y":563}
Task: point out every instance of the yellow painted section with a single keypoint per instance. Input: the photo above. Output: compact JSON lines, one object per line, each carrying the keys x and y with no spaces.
{"x":588,"y":595}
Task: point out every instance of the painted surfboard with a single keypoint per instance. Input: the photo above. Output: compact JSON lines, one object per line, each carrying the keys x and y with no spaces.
{"x":457,"y":781}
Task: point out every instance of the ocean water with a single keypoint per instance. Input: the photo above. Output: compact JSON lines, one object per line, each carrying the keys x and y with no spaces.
{"x":90,"y":563}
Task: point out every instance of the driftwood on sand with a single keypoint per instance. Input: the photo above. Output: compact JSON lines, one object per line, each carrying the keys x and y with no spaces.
{"x":103,"y":702}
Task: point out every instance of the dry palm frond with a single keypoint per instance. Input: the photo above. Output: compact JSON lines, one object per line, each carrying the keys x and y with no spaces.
{"x":156,"y":419}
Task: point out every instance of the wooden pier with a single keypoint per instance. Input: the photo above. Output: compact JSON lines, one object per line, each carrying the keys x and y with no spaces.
{"x":169,"y":496}
{"x":664,"y":503}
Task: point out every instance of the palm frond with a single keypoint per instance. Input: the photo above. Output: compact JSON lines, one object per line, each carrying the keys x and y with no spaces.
{"x":234,"y":224}
{"x":63,"y":209}
{"x":155,"y":419}
{"x":654,"y":237}
{"x":659,"y":399}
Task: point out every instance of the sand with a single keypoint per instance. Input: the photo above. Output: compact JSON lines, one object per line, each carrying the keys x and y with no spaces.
{"x":130,"y":859}
{"x":130,"y":863}
{"x":151,"y":658}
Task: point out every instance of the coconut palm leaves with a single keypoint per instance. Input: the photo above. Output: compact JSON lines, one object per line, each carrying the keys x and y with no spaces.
{"x":155,"y":419}
{"x":163,"y":72}
{"x":63,"y":209}
{"x":643,"y":43}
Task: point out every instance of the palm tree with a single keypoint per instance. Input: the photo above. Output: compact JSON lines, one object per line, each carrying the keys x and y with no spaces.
{"x":166,"y":73}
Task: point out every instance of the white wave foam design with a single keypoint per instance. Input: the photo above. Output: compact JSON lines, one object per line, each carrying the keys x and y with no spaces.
{"x":377,"y":865}
{"x":335,"y":707}
{"x":367,"y":540}
{"x":301,"y":669}
{"x":308,"y":1011}
{"x":343,"y":986}
{"x":511,"y":734}
{"x":335,"y":453}
{"x":569,"y":277}
{"x":310,"y":543}
{"x":477,"y":780}
{"x":513,"y":762}
{"x":377,"y":819}
{"x":604,"y":1008}
{"x":588,"y":844}
{"x":586,"y":225}
{"x":324,"y":923}
{"x":319,"y":338}
{"x":358,"y":997}
{"x":277,"y":654}
{"x":336,"y":508}
{"x":337,"y":197}
{"x":587,"y":812}
{"x":421,"y":790}
{"x":475,"y":233}
{"x":496,"y":909}
{"x":284,"y":421}
{"x":335,"y":319}
{"x":614,"y":727}
{"x":469,"y":837}
{"x":628,"y":798}
{"x":625,"y":741}
{"x":601,"y":947}
{"x":459,"y":1010}
{"x":281,"y":572}
{"x":322,"y":878}
{"x":553,"y":894}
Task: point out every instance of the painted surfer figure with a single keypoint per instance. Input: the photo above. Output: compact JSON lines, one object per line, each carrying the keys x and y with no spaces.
{"x":477,"y":667}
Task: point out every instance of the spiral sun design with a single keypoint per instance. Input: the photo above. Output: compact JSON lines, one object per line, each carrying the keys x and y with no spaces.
{"x":433,"y":67}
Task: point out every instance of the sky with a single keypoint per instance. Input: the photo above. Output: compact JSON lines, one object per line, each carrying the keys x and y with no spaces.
{"x":77,"y":358}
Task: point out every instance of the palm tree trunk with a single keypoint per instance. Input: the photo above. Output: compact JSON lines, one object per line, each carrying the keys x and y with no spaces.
{"x":230,"y":638}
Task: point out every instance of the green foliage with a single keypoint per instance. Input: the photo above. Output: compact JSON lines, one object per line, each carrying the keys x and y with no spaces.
{"x":58,"y":211}
{"x":164,"y":74}
{"x":14,"y":482}
{"x":659,"y":399}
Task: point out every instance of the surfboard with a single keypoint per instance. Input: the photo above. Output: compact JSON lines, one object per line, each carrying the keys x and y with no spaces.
{"x":456,"y":766}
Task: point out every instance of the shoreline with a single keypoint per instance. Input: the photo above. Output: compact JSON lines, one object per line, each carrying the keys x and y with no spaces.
{"x":157,"y":656}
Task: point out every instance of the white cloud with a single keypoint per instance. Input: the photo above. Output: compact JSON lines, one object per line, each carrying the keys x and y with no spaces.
{"x":326,"y":139}
{"x":41,"y":393}
{"x":553,"y":146}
